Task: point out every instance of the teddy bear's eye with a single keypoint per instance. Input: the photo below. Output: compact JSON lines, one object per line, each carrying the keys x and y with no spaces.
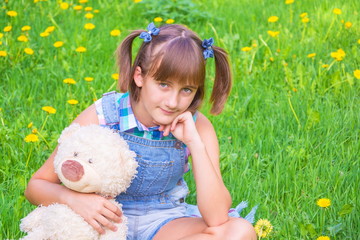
{"x":76,"y":154}
{"x":90,"y":160}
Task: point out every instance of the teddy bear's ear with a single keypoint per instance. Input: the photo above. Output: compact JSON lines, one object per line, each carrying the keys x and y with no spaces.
{"x":68,"y":131}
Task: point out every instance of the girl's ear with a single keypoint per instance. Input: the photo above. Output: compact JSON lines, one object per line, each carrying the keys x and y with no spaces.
{"x":138,"y":78}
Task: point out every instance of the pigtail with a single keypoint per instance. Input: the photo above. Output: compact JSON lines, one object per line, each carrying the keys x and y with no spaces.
{"x":223,"y":81}
{"x":124,"y":61}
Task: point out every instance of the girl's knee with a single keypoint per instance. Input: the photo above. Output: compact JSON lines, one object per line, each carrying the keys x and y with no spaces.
{"x":234,"y":229}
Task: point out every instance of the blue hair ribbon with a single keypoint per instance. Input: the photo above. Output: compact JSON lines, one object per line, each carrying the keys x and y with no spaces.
{"x":152,"y":30}
{"x":207,"y":45}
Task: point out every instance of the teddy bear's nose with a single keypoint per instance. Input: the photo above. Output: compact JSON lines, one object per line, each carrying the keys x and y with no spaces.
{"x":72,"y":170}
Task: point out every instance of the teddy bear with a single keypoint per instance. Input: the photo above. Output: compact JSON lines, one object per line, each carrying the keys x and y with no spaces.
{"x":89,"y":159}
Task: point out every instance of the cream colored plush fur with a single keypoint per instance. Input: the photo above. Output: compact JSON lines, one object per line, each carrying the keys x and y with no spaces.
{"x":108,"y":166}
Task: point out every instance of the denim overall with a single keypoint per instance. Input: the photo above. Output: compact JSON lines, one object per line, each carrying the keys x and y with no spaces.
{"x":157,"y":193}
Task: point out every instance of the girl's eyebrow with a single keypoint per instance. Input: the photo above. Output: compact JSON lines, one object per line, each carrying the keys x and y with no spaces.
{"x":190,"y":86}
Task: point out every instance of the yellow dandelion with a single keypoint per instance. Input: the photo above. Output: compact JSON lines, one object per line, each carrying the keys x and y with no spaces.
{"x":305,"y":20}
{"x":337,"y":11}
{"x":50,"y":29}
{"x":80,"y":49}
{"x":3,"y":53}
{"x":254,"y":45}
{"x":29,"y":51}
{"x":30,"y":125}
{"x":246,"y":49}
{"x":338,"y":55}
{"x":25,"y":28}
{"x":271,"y":59}
{"x":89,"y":26}
{"x":289,"y":1}
{"x":137,"y":1}
{"x":357,"y":73}
{"x":348,"y":25}
{"x":69,"y":81}
{"x":1,"y":35}
{"x":58,"y":44}
{"x":7,"y":28}
{"x":96,"y":11}
{"x":115,"y":76}
{"x":35,"y":131}
{"x":311,"y":55}
{"x":273,"y":33}
{"x":83,"y":1}
{"x":44,"y":34}
{"x":49,"y":109}
{"x":22,"y":38}
{"x":78,"y":7}
{"x":273,"y":19}
{"x":0,"y":43}
{"x":294,"y":89}
{"x":304,"y":14}
{"x":325,"y":65}
{"x":64,"y":5}
{"x":263,"y":228}
{"x":89,"y":15}
{"x":31,"y":138}
{"x":358,"y":41}
{"x":89,"y":79}
{"x":88,"y":9}
{"x":323,"y":238}
{"x":115,"y":32}
{"x":73,"y":101}
{"x":11,"y":13}
{"x":158,"y":19}
{"x":323,"y":202}
{"x":170,"y":21}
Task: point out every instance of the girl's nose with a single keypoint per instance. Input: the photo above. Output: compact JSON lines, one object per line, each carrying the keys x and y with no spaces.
{"x":172,"y":100}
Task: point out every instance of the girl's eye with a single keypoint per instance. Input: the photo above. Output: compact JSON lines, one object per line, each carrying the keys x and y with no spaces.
{"x":163,"y":85}
{"x":187,"y":90}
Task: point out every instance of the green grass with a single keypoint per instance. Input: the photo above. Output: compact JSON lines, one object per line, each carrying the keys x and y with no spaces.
{"x":289,"y":133}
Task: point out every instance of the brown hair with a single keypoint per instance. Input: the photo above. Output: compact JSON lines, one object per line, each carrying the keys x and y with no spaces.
{"x":175,"y":54}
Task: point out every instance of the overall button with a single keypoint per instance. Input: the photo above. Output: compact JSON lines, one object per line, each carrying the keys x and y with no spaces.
{"x":178,"y":145}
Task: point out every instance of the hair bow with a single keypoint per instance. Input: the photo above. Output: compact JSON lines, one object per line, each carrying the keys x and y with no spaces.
{"x":207,"y":45}
{"x":152,"y":30}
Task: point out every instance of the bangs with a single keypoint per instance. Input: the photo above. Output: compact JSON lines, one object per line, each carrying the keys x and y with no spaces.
{"x":180,"y":60}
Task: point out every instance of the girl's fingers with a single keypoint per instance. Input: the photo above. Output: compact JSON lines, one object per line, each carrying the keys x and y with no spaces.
{"x":103,"y":221}
{"x":114,"y":209}
{"x":96,"y":226}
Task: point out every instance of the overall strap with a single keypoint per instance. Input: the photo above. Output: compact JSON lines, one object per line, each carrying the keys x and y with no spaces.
{"x":110,"y":108}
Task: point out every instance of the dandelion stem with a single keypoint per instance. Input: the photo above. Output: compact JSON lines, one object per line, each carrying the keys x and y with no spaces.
{"x":43,"y":138}
{"x":328,"y":31}
{"x":252,"y":61}
{"x":43,"y":125}
{"x":28,"y":158}
{"x":112,"y":86}
{"x":265,"y":44}
{"x":293,"y":111}
{"x":335,"y":84}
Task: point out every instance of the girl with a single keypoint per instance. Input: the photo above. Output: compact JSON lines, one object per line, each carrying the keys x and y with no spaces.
{"x":157,"y":115}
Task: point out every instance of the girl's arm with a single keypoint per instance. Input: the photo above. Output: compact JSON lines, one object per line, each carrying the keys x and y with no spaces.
{"x":213,"y":198}
{"x":44,"y":188}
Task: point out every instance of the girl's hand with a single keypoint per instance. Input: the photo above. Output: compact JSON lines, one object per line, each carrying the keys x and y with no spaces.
{"x":183,"y":128}
{"x":98,"y":211}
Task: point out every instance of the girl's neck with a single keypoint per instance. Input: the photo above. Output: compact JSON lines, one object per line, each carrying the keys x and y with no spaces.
{"x":140,"y":114}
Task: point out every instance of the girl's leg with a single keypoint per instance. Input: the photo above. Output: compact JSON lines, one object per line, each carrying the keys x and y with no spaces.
{"x":195,"y":228}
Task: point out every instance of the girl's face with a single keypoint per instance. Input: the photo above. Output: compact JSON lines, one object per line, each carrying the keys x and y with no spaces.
{"x":161,"y":102}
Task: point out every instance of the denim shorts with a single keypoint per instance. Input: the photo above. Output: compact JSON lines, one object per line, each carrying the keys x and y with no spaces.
{"x":147,"y":216}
